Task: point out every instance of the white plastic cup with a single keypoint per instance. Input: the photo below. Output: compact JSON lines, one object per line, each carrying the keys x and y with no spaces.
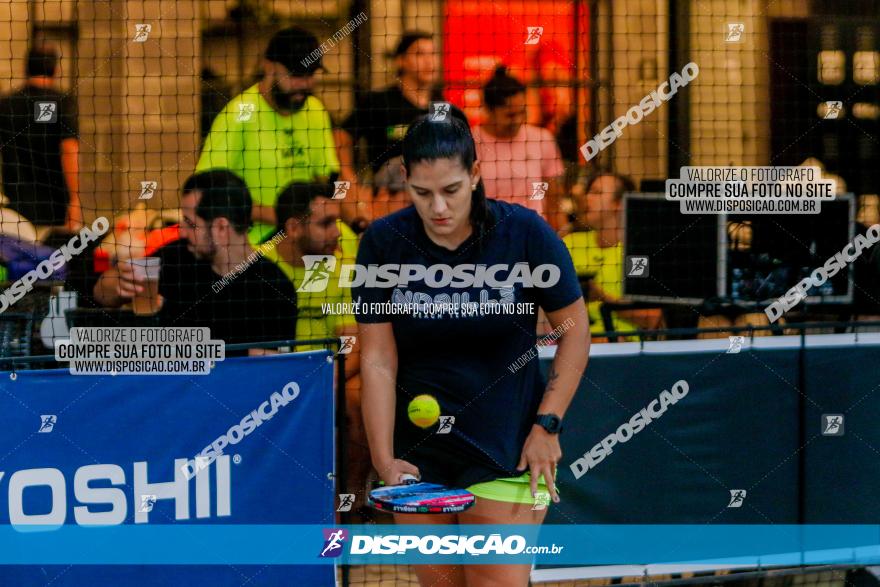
{"x":146,"y":268}
{"x":146,"y":302}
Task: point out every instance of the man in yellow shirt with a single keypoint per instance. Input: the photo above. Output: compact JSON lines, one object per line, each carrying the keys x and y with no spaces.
{"x":596,"y":248}
{"x":309,"y":219}
{"x":275,"y":132}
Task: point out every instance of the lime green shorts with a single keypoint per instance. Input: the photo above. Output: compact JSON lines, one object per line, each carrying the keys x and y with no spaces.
{"x":510,"y":489}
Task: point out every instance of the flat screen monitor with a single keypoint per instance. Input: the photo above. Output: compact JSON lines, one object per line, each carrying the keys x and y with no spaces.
{"x":682,"y":250}
{"x":739,"y":258}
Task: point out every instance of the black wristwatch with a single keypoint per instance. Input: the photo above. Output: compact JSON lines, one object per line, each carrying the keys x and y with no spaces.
{"x":549,"y":422}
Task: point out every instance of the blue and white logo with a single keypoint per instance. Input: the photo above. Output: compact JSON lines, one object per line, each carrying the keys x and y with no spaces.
{"x":333,"y":540}
{"x":47,"y":423}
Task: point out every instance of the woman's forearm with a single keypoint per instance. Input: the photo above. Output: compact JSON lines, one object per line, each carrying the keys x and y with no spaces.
{"x":563,"y":379}
{"x":377,"y":405}
{"x":568,"y":364}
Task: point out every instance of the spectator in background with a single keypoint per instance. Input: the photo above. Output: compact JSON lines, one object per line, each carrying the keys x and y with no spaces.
{"x":389,"y":189}
{"x":275,"y":132}
{"x":309,"y":220}
{"x":255,"y":302}
{"x":596,"y":247}
{"x":39,"y":147}
{"x":515,"y":156}
{"x":215,"y":95}
{"x":382,"y":118}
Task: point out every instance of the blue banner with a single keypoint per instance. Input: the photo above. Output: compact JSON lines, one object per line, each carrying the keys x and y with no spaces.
{"x":715,"y":480}
{"x":121,"y":452}
{"x":325,"y":545}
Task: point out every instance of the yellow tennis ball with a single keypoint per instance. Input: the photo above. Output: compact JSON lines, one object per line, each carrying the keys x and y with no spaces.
{"x":423,"y":411}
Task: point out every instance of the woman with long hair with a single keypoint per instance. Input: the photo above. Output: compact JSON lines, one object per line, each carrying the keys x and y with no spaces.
{"x":464,"y":331}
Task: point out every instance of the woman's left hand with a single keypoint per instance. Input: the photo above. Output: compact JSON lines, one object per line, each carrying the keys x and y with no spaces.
{"x":540,"y":454}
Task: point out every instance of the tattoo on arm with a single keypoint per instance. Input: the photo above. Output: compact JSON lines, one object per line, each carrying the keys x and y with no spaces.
{"x":552,"y":376}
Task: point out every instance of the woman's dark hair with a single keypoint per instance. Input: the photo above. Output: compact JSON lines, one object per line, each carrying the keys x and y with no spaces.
{"x":501,"y":88}
{"x":409,"y":39}
{"x":428,"y":140}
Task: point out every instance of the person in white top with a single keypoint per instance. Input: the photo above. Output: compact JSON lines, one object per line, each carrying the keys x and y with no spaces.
{"x":520,"y":163}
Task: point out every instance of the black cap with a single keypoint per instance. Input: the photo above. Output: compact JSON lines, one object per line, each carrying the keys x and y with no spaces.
{"x":407,"y":40}
{"x":296,"y":49}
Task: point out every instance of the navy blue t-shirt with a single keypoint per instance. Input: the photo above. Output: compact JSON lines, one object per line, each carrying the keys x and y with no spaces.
{"x":468,"y":359}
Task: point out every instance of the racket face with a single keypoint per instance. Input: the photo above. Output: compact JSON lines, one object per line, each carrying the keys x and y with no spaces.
{"x":421,"y":498}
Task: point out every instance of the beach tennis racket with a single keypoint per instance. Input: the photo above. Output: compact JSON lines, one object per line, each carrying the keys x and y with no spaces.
{"x":414,"y":497}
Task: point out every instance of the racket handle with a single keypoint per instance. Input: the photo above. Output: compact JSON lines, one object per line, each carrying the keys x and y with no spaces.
{"x":408,"y":479}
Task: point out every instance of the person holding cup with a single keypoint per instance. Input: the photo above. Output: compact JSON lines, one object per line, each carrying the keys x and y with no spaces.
{"x":147,"y":300}
{"x":211,"y":277}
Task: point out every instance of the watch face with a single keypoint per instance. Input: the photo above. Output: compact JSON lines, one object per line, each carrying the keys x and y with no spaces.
{"x":550,"y":423}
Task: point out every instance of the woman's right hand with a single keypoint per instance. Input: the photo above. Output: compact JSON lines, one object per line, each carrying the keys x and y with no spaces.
{"x":391,"y":473}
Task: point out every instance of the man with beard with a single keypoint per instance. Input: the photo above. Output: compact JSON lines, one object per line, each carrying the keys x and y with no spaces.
{"x":309,"y":220}
{"x":212,"y":277}
{"x":275,"y":132}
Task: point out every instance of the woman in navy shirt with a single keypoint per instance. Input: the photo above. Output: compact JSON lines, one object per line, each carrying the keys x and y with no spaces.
{"x":455,"y":317}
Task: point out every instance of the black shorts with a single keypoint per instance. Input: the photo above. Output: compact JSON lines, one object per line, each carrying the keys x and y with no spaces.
{"x":446,"y":462}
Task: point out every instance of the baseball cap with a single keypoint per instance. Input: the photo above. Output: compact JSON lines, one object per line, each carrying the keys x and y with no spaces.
{"x":291,"y":47}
